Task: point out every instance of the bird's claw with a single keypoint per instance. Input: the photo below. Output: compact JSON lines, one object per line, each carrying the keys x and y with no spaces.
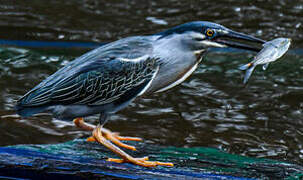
{"x":141,"y":162}
{"x":116,"y":135}
{"x":121,"y":160}
{"x":112,"y":136}
{"x":127,"y":138}
{"x":91,"y":139}
{"x":113,"y":139}
{"x":101,"y":135}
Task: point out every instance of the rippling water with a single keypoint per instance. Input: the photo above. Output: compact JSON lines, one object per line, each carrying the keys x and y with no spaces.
{"x":212,"y":108}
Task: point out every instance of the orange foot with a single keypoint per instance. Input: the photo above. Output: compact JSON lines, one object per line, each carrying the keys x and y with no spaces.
{"x":97,"y":135}
{"x":101,"y":135}
{"x":141,"y":161}
{"x":114,"y":137}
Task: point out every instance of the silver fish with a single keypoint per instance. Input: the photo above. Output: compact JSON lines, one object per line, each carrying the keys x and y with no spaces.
{"x":272,"y":50}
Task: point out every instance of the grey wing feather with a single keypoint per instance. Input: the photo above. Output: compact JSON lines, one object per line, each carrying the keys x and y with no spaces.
{"x":98,"y":77}
{"x":102,"y":86}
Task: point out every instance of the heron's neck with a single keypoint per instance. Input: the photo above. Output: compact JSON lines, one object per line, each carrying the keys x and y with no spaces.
{"x":176,"y":63}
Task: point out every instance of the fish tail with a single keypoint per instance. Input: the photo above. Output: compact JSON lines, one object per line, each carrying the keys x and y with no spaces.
{"x":246,"y":66}
{"x":248,"y":73}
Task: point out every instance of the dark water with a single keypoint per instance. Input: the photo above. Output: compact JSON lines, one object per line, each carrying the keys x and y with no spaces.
{"x":211,"y":109}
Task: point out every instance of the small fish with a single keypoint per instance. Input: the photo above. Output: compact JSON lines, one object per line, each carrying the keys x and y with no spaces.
{"x":272,"y":50}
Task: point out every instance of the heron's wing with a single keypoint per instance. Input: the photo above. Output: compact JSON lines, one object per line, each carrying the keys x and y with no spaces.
{"x":106,"y":83}
{"x":112,"y":77}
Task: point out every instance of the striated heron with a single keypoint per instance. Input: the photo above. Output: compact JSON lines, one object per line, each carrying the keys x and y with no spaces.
{"x":107,"y":79}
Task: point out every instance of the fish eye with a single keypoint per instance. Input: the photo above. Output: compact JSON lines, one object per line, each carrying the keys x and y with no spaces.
{"x":210,"y":32}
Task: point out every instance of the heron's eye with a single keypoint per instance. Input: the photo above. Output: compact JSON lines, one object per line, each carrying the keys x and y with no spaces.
{"x":210,"y":32}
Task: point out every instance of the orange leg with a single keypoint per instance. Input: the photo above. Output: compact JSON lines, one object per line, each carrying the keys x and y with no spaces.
{"x":97,"y":134}
{"x":114,"y":137}
{"x":79,"y":122}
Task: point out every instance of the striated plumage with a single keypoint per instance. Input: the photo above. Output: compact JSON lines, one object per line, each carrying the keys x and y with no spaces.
{"x":103,"y":79}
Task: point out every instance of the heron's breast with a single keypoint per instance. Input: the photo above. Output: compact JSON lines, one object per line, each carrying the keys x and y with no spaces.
{"x":173,"y":73}
{"x":181,"y":76}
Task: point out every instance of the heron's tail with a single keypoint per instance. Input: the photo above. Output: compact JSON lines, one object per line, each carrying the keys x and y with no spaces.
{"x":249,"y":69}
{"x":29,"y":111}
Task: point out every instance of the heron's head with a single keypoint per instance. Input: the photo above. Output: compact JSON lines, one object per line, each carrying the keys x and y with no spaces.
{"x":202,"y":35}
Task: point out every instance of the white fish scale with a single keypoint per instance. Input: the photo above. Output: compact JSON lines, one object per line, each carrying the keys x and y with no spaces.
{"x":272,"y":51}
{"x":268,"y":55}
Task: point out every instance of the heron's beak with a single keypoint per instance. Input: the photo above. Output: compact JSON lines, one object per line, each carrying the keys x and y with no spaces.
{"x":239,"y":40}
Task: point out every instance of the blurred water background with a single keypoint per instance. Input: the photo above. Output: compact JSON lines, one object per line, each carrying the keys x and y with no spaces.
{"x":211,"y":109}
